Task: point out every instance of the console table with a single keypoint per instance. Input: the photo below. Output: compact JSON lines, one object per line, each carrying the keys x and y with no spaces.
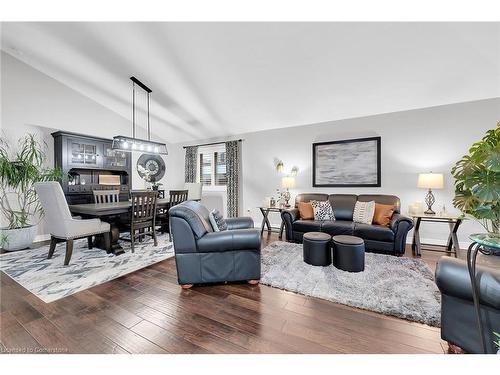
{"x":265,"y":220}
{"x":452,"y":245}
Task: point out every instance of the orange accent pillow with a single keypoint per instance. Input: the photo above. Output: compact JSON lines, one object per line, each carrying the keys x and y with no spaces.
{"x":306,"y":211}
{"x":383,"y":214}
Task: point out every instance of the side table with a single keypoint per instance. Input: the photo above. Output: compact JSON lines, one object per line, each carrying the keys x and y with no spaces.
{"x":485,"y":244}
{"x":265,"y":220}
{"x":452,"y":244}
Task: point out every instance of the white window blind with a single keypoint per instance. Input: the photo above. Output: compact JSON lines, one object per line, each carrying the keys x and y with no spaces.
{"x":212,"y":165}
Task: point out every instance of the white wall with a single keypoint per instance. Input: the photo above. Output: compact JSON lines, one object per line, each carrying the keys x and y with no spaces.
{"x":34,"y":102}
{"x":415,"y":141}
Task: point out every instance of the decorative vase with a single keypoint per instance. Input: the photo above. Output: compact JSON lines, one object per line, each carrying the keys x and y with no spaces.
{"x":19,"y":238}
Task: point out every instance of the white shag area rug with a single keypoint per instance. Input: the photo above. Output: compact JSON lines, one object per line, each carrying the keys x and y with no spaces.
{"x":397,"y":286}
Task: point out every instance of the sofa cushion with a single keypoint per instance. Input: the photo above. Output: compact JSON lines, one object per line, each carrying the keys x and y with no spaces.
{"x":307,"y":197}
{"x":383,"y":214}
{"x":373,"y":232}
{"x":337,"y":227}
{"x":306,"y":211}
{"x":382,"y":199}
{"x":307,"y":225}
{"x":363,"y":212}
{"x":322,"y":210}
{"x":343,"y":205}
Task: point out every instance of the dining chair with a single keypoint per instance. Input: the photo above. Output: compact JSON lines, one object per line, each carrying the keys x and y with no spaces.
{"x":142,"y":216}
{"x":194,"y":190}
{"x":62,"y":226}
{"x":106,"y":196}
{"x":175,"y":197}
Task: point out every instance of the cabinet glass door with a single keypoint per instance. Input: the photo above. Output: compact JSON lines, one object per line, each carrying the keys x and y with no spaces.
{"x":114,"y":158}
{"x":83,"y":153}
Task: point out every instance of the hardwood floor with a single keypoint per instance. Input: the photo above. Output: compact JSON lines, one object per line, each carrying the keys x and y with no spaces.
{"x":147,"y":312}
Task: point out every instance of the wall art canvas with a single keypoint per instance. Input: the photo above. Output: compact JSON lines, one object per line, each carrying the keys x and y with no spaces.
{"x":347,"y":163}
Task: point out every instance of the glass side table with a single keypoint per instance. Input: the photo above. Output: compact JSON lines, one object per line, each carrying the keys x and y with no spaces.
{"x":487,"y":244}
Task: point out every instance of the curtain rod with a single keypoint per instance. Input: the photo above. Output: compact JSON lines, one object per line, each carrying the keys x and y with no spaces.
{"x":210,"y":144}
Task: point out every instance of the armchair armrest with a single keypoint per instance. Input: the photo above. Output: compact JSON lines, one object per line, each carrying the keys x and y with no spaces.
{"x":452,"y":278}
{"x":400,"y":225}
{"x":239,"y":223}
{"x":288,"y":217}
{"x":229,"y":240}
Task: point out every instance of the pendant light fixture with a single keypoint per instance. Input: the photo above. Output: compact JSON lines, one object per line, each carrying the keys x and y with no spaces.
{"x":131,"y":144}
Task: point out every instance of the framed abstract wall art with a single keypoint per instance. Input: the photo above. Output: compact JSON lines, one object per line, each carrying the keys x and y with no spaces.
{"x":347,"y":163}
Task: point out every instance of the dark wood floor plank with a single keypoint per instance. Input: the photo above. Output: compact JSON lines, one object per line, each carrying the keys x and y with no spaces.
{"x":51,"y":338}
{"x":14,"y":337}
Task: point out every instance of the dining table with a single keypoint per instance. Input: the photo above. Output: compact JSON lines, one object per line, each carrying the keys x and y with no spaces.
{"x":113,"y":213}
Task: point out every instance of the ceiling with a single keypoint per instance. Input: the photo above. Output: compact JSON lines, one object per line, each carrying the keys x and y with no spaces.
{"x":219,"y":79}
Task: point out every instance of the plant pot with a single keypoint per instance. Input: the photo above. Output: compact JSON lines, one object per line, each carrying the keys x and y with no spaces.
{"x":19,"y":238}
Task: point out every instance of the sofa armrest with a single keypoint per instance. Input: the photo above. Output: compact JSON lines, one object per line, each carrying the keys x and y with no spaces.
{"x":229,"y":240}
{"x":239,"y":223}
{"x":288,"y":217}
{"x":400,"y":225}
{"x":452,"y":278}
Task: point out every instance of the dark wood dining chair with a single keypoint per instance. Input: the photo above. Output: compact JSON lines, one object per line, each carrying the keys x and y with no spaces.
{"x":176,"y":197}
{"x":106,"y":196}
{"x":142,"y":216}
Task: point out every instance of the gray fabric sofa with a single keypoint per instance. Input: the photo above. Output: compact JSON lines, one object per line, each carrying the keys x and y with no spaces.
{"x":205,"y":256}
{"x":458,"y":318}
{"x":391,"y":239}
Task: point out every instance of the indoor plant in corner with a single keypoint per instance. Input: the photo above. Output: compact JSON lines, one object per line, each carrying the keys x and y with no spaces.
{"x":19,"y":204}
{"x":477,"y":183}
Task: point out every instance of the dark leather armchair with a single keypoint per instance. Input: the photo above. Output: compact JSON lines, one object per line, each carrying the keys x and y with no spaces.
{"x":205,"y":256}
{"x":458,"y":318}
{"x":378,"y":238}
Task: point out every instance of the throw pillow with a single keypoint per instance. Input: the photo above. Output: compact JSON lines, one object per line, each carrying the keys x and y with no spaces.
{"x":383,"y":214}
{"x":306,"y":211}
{"x":217,"y":221}
{"x":363,"y":212}
{"x":322,"y":210}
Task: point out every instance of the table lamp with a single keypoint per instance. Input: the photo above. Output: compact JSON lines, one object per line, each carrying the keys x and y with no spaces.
{"x":287,"y":183}
{"x":430,"y":181}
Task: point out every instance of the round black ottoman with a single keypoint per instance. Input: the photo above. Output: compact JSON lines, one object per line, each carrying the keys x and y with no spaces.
{"x":348,"y":253}
{"x":316,"y":247}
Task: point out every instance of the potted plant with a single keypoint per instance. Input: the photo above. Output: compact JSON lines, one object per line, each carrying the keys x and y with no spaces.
{"x":19,"y":204}
{"x":477,"y":183}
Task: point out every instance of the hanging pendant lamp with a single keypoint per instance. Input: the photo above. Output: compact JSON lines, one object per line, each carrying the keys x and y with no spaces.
{"x":132,"y":144}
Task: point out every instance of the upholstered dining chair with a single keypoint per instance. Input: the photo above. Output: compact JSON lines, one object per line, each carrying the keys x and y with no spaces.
{"x":61,"y":225}
{"x":194,"y":190}
{"x":142,"y":216}
{"x":106,"y":196}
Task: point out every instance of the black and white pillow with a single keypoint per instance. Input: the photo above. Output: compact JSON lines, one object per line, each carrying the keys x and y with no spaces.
{"x":322,"y":210}
{"x":363,"y":212}
{"x":217,"y":221}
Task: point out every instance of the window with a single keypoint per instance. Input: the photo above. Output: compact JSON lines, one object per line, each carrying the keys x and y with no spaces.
{"x":212,"y":165}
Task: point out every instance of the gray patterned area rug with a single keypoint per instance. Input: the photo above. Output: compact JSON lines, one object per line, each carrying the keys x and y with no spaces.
{"x":50,"y":280}
{"x":397,"y":286}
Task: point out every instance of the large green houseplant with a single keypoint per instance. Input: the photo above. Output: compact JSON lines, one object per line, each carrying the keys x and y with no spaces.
{"x":19,"y":204}
{"x":477,"y":182}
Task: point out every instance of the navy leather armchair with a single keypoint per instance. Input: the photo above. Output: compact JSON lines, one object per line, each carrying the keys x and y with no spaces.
{"x":205,"y":256}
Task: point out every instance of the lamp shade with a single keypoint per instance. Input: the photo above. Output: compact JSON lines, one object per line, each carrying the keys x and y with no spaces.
{"x":288,"y":182}
{"x":430,"y":180}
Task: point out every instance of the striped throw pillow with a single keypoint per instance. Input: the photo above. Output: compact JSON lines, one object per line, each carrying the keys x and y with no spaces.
{"x":363,"y":212}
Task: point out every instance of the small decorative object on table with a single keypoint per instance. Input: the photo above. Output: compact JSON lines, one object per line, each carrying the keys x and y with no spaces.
{"x":430,"y":181}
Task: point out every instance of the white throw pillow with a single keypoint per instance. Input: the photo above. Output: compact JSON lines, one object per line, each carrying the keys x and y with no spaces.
{"x":322,"y":210}
{"x":217,"y":221}
{"x":363,"y":212}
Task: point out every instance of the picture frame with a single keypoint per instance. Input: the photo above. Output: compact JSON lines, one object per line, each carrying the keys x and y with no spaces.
{"x":347,"y":163}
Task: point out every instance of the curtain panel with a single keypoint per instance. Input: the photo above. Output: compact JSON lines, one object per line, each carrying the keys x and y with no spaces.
{"x":233,"y":168}
{"x":190,"y":163}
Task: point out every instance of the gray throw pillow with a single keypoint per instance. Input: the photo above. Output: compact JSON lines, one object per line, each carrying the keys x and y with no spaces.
{"x":217,"y":221}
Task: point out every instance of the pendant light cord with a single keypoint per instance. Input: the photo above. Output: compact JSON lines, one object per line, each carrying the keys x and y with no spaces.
{"x":149,"y":131}
{"x":133,"y":109}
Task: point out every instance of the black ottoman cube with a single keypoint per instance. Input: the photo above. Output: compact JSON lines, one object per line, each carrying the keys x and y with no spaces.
{"x":348,"y":253}
{"x":316,"y":247}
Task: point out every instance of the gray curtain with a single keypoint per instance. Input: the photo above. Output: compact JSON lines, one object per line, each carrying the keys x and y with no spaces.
{"x":233,"y":164}
{"x":190,"y":163}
